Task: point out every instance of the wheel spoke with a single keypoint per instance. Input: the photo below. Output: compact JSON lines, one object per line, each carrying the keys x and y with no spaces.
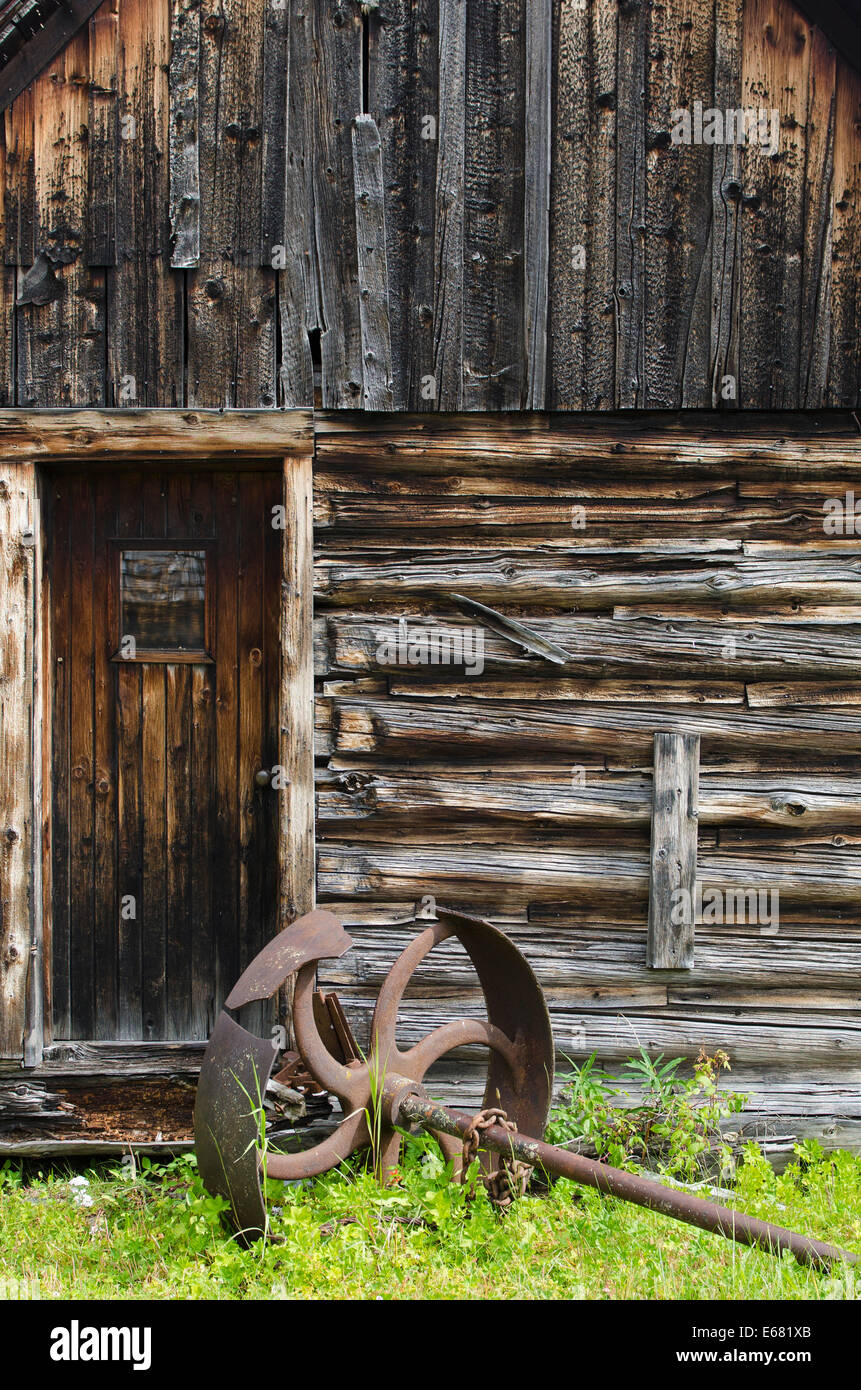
{"x":350,"y":1084}
{"x":451,"y":1035}
{"x":351,"y":1134}
{"x":385,"y":1019}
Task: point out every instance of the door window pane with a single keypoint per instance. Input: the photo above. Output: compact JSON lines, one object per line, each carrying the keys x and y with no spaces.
{"x":163,"y":599}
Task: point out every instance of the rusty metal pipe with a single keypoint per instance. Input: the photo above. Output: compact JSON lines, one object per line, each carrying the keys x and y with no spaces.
{"x":643,"y":1192}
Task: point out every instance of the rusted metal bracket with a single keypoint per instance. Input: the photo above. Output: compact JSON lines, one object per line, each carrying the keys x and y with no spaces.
{"x":383,"y":1091}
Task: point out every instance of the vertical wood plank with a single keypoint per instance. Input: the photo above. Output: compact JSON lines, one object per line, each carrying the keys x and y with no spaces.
{"x":200,"y":521}
{"x":539,"y":40}
{"x":673,"y":861}
{"x":202,"y":1004}
{"x":815,"y":333}
{"x":177,"y":822}
{"x":132,"y":926}
{"x":338,"y":99}
{"x":274,"y":127}
{"x":82,"y":963}
{"x":403,"y":98}
{"x":183,"y":83}
{"x":39,"y":946}
{"x":630,"y":205}
{"x":250,"y":800}
{"x":231,"y":298}
{"x":106,"y":923}
{"x":61,"y":313}
{"x":297,"y":280}
{"x":450,"y":196}
{"x":145,"y":338}
{"x":581,"y":327}
{"x":373,"y":274}
{"x":60,"y":761}
{"x":775,"y":69}
{"x":296,"y":838}
{"x":17,"y":494}
{"x":224,"y":866}
{"x":102,"y":138}
{"x":153,"y":926}
{"x":19,"y":194}
{"x":494,"y":182}
{"x":726,"y":214}
{"x":132,"y":930}
{"x":677,"y":269}
{"x":270,"y":848}
{"x":39,"y":1030}
{"x":844,"y":364}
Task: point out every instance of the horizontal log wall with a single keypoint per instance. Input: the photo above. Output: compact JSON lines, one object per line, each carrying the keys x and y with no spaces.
{"x":524,"y":791}
{"x":432,"y":205}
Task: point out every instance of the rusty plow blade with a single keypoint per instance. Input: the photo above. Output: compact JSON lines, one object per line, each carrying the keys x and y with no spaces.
{"x":387,"y":1085}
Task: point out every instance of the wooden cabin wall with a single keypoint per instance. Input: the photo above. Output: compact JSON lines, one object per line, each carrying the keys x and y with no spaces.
{"x":696,"y":591}
{"x":216,"y":204}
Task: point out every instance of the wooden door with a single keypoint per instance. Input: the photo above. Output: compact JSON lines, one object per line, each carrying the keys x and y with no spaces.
{"x":165,"y":587}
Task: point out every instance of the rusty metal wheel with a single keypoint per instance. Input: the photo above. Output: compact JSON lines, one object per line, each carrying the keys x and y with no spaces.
{"x":237,"y":1065}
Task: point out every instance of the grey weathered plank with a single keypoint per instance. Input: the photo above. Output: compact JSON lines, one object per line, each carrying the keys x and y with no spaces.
{"x":102,"y":137}
{"x":337,"y":100}
{"x":537,"y":162}
{"x":373,"y":275}
{"x":583,"y":218}
{"x":449,"y":223}
{"x":673,"y":855}
{"x":549,"y":796}
{"x":554,"y":580}
{"x":494,"y":190}
{"x":677,"y":256}
{"x":619,"y":732}
{"x":630,"y":205}
{"x":19,"y":187}
{"x":756,"y":1039}
{"x":274,"y":127}
{"x":844,"y":362}
{"x":726,"y":214}
{"x":565,"y":954}
{"x":604,"y":647}
{"x":815,"y":334}
{"x":231,"y":357}
{"x":297,"y":280}
{"x":516,"y":874}
{"x":145,"y":301}
{"x":184,"y":79}
{"x":403,"y":97}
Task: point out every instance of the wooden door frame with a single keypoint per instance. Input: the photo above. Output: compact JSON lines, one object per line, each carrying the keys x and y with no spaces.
{"x":35,"y":439}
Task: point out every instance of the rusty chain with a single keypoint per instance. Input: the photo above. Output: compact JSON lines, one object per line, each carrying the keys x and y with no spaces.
{"x":511,"y":1177}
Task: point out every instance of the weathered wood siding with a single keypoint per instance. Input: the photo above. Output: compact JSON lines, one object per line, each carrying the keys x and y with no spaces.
{"x":435,"y":205}
{"x":686,"y":569}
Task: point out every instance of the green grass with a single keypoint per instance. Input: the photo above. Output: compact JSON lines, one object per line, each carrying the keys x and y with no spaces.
{"x":158,"y":1235}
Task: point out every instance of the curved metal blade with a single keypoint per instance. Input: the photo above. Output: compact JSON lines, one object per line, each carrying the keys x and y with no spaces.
{"x":236,"y":1068}
{"x":515,"y":1005}
{"x":316,"y":936}
{"x":230,"y":1090}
